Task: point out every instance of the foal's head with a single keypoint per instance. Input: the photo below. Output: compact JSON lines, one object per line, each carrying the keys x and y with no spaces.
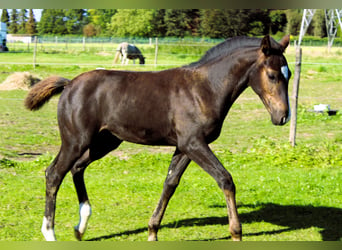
{"x":270,"y":79}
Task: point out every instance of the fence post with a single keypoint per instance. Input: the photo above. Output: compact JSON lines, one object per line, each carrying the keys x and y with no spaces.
{"x":294,"y":98}
{"x":156,"y":53}
{"x":34,"y":52}
{"x":84,"y":43}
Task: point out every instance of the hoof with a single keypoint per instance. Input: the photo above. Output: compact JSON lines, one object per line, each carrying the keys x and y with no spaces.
{"x":237,"y":238}
{"x":152,"y":237}
{"x":78,"y":235}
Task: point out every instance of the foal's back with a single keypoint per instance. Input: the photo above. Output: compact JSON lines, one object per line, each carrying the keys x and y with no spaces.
{"x":139,"y":107}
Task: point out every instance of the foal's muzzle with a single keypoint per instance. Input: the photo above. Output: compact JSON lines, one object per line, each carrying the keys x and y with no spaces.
{"x":281,"y":118}
{"x":281,"y":113}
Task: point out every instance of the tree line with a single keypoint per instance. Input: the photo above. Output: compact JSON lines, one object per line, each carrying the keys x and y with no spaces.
{"x":19,"y":22}
{"x":213,"y":23}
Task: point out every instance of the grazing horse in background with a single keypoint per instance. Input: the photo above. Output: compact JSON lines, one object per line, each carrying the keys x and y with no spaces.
{"x":128,"y":51}
{"x":183,"y":107}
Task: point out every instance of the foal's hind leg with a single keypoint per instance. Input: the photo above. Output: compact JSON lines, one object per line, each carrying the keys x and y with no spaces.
{"x":55,"y":174}
{"x":85,"y":208}
{"x":102,"y":144}
{"x":177,"y":167}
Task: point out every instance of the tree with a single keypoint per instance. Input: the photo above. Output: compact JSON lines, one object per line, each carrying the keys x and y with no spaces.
{"x":192,"y":21}
{"x":319,"y":24}
{"x":278,"y":21}
{"x":31,"y":25}
{"x":100,"y":19}
{"x":13,"y":27}
{"x":52,"y":22}
{"x":294,"y":19}
{"x":62,"y":21}
{"x":210,"y":22}
{"x":132,"y":22}
{"x":259,"y":22}
{"x":158,"y":23}
{"x":181,"y":22}
{"x":74,"y":20}
{"x":22,"y":21}
{"x":5,"y":17}
{"x":90,"y":30}
{"x":224,"y":23}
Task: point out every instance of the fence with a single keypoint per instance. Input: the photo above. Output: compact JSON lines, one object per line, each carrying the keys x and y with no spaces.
{"x":161,"y":51}
{"x":101,"y":44}
{"x":168,"y":51}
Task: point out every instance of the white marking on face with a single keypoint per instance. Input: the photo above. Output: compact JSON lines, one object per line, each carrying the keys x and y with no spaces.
{"x":48,"y":233}
{"x":85,"y":212}
{"x":285,"y":72}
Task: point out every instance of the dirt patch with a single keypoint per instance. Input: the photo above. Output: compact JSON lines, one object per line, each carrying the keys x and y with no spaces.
{"x":19,"y":80}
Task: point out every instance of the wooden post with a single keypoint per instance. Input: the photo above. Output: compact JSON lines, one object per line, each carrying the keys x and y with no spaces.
{"x":35,"y":52}
{"x":294,"y":98}
{"x":156,"y":53}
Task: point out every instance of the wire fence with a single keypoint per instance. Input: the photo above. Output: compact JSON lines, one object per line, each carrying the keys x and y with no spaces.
{"x":158,"y":51}
{"x":100,"y":44}
{"x":100,"y":52}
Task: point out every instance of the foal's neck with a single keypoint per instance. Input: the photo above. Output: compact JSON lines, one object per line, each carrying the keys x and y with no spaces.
{"x":230,"y":75}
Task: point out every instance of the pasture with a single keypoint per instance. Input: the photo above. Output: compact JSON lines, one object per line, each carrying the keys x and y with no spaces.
{"x":283,"y":193}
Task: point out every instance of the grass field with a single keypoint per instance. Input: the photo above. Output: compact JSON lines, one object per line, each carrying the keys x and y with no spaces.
{"x":283,"y":193}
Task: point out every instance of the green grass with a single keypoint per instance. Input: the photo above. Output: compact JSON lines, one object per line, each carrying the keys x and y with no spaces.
{"x":283,"y":193}
{"x":276,"y":202}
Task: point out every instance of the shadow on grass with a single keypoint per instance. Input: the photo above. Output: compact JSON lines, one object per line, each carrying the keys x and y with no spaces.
{"x":291,"y":217}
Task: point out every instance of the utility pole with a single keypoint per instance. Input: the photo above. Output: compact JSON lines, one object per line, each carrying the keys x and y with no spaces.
{"x":332,"y":18}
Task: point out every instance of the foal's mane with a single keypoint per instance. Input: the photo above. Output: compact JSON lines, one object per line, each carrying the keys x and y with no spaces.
{"x":227,"y":47}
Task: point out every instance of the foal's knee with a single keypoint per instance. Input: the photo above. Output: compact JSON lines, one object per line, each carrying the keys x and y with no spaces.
{"x":226,"y":183}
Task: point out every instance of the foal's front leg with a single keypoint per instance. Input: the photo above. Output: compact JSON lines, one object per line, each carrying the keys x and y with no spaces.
{"x":177,"y":167}
{"x":199,"y":151}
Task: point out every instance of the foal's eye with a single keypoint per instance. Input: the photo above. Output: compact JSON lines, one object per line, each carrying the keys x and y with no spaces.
{"x":272,"y":77}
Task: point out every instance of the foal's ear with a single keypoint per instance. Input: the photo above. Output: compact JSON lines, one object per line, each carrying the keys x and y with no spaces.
{"x":284,"y":42}
{"x":266,"y":45}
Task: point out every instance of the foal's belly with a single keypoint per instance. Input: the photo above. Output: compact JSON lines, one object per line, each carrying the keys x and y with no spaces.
{"x":133,"y":131}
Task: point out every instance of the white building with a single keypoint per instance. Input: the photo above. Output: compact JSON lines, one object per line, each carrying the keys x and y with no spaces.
{"x":19,"y":38}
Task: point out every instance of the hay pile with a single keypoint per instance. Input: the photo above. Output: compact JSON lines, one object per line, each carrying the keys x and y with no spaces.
{"x":19,"y":80}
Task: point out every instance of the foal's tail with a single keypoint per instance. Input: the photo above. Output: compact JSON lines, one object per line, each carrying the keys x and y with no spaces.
{"x":43,"y":91}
